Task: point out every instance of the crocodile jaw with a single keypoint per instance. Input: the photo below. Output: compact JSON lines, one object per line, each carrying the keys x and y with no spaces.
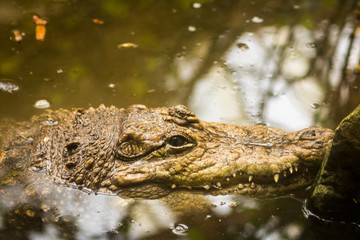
{"x":218,"y":179}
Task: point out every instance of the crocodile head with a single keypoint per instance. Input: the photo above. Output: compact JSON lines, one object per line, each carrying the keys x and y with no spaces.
{"x":149,"y":152}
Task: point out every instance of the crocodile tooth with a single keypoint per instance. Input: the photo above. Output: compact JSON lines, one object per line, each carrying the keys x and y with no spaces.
{"x":296,"y":169}
{"x":218,"y":184}
{"x":250,"y":178}
{"x":173,"y":186}
{"x":252,"y":185}
{"x":227,"y":179}
{"x":276,"y":177}
{"x":240,"y":173}
{"x":284,"y":174}
{"x":291,"y":170}
{"x":306,"y":169}
{"x":234,"y":174}
{"x":240,"y":186}
{"x":207,"y":187}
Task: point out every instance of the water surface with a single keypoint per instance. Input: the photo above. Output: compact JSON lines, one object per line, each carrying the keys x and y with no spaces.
{"x":287,"y":64}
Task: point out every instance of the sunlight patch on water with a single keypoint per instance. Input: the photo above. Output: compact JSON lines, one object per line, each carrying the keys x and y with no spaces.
{"x":150,"y":218}
{"x":214,"y":98}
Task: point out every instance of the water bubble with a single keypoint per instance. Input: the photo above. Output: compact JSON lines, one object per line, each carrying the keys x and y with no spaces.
{"x":180,"y":229}
{"x":42,"y":104}
{"x":315,"y":105}
{"x":257,"y":19}
{"x":311,"y":45}
{"x":197,"y":5}
{"x":242,"y":46}
{"x":60,"y":71}
{"x":192,"y":29}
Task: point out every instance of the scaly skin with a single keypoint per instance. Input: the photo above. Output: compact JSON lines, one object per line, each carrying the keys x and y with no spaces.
{"x":148,"y":153}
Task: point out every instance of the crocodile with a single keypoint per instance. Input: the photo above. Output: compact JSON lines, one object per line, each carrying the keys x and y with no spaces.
{"x":141,"y":152}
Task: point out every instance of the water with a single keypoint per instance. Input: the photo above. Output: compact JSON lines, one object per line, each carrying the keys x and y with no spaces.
{"x":243,"y":62}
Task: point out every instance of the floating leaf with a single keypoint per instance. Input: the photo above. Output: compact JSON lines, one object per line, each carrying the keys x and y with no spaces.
{"x":40,"y":29}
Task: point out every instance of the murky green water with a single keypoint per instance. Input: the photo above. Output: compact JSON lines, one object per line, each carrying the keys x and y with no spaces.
{"x":288,"y":64}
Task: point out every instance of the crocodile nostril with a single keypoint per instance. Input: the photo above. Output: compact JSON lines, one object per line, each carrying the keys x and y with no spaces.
{"x":308,"y":135}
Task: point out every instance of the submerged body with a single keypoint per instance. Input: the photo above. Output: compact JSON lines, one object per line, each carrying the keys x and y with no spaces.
{"x":149,"y":152}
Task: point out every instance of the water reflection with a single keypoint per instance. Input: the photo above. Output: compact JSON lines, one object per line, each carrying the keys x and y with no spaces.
{"x":246,"y":62}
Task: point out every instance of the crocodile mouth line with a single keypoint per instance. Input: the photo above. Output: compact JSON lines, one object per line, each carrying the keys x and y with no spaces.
{"x":240,"y":180}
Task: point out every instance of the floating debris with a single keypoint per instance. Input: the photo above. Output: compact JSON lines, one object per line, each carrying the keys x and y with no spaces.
{"x":9,"y":87}
{"x":97,"y":21}
{"x":127,"y":45}
{"x":40,"y":30}
{"x":17,"y":35}
{"x":151,"y":90}
{"x":111,"y":85}
{"x":41,"y":104}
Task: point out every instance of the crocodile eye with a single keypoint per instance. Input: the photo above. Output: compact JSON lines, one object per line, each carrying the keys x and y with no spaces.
{"x":177,"y":141}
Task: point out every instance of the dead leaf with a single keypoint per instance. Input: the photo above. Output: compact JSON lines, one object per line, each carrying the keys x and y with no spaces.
{"x":40,"y":30}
